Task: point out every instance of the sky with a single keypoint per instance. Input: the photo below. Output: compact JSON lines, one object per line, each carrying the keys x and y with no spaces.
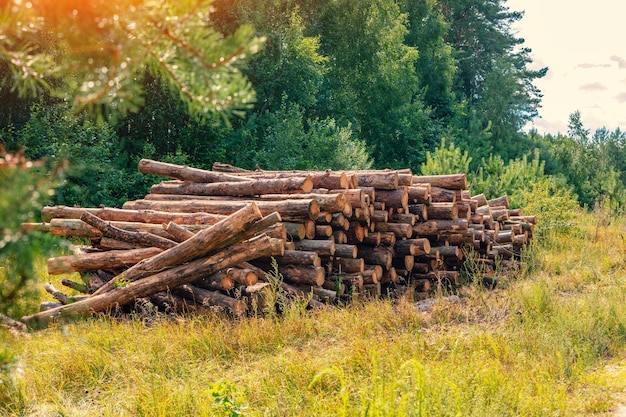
{"x":583,"y":44}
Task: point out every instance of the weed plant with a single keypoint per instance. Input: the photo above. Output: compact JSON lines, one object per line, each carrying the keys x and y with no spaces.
{"x":548,"y":341}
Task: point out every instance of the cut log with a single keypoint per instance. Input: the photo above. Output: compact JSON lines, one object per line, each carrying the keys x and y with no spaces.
{"x":178,"y":233}
{"x":99,"y":260}
{"x":481,"y":200}
{"x":208,"y":298}
{"x":419,"y":194}
{"x":388,"y":238}
{"x":243,"y":224}
{"x":137,"y":216}
{"x":500,"y":201}
{"x":398,"y":197}
{"x":184,"y":173}
{"x":323,"y":231}
{"x":377,"y":255}
{"x":419,"y":246}
{"x":442,"y":211}
{"x":401,"y":230}
{"x":303,"y":274}
{"x":435,"y":227}
{"x":348,"y":265}
{"x":323,"y":247}
{"x":289,"y":209}
{"x":346,"y":251}
{"x":380,"y":180}
{"x":449,"y":181}
{"x":161,"y":281}
{"x":299,"y":257}
{"x":295,"y":231}
{"x":442,"y":195}
{"x":280,"y":186}
{"x":140,"y":238}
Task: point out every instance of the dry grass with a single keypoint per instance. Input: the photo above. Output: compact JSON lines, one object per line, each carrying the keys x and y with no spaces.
{"x":548,"y":342}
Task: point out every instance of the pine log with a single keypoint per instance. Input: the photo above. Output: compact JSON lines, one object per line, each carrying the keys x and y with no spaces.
{"x":389,"y":276}
{"x":407,"y":218}
{"x":449,"y":181}
{"x":377,"y":255}
{"x":420,"y":211}
{"x":374,"y":238}
{"x":398,"y":197}
{"x":442,"y":195}
{"x":414,"y":247}
{"x":299,"y":257}
{"x":243,"y":276}
{"x":160,"y":281}
{"x":323,"y":247}
{"x":387,"y":238}
{"x":208,"y":298}
{"x":243,"y":224}
{"x":279,"y":186}
{"x":323,"y":231}
{"x":99,"y":260}
{"x":140,"y":238}
{"x":442,"y":211}
{"x":419,"y":194}
{"x":346,"y":251}
{"x":500,"y":201}
{"x":184,"y":173}
{"x":137,"y":216}
{"x":435,"y":227}
{"x":381,"y":180}
{"x":355,"y":233}
{"x":327,"y":202}
{"x":289,"y":210}
{"x":321,"y":179}
{"x":481,"y":200}
{"x":178,"y":233}
{"x":402,"y":230}
{"x":348,"y":265}
{"x":295,"y":231}
{"x":340,"y":237}
{"x":403,"y":262}
{"x":380,"y":216}
{"x":217,"y":281}
{"x":303,"y":274}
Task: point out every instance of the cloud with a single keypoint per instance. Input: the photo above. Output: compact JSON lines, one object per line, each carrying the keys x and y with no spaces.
{"x":593,"y":87}
{"x":621,"y":97}
{"x":621,"y":62}
{"x":588,"y":65}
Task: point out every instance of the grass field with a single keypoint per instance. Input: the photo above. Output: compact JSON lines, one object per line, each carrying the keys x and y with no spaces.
{"x":549,"y":341}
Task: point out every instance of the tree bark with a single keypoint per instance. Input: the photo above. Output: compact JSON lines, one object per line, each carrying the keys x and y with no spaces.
{"x":161,"y":281}
{"x":449,"y":181}
{"x":99,"y":260}
{"x":140,"y":238}
{"x":138,"y":216}
{"x":290,"y":210}
{"x":243,"y":188}
{"x":184,"y":173}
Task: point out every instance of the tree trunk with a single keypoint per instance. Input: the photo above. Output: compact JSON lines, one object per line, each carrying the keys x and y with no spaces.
{"x":290,"y":210}
{"x":303,"y":274}
{"x":242,"y":188}
{"x":138,"y":216}
{"x":449,"y":181}
{"x":179,"y":172}
{"x":420,"y":246}
{"x":160,"y":281}
{"x":208,"y":298}
{"x":99,"y":260}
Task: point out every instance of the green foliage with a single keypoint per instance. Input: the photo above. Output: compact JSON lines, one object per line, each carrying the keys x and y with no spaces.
{"x":97,"y":173}
{"x":24,"y":189}
{"x":91,"y":54}
{"x":446,"y":160}
{"x":229,"y":401}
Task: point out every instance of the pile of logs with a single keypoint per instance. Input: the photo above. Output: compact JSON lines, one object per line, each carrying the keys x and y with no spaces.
{"x":206,"y":238}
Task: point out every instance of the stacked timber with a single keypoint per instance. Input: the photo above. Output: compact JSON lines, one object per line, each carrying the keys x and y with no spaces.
{"x":215,"y":237}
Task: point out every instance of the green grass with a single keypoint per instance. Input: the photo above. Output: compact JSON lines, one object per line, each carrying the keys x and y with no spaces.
{"x":549,"y":342}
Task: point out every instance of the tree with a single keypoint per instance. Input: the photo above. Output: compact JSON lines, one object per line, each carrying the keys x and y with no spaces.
{"x":94,"y":53}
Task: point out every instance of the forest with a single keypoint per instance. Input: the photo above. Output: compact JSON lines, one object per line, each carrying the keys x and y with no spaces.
{"x":434,"y":86}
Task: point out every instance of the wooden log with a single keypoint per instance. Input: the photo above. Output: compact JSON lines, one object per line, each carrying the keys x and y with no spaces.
{"x":140,"y":238}
{"x":402,"y":230}
{"x":340,"y":237}
{"x":99,"y":260}
{"x":178,"y":233}
{"x":398,"y":197}
{"x":323,"y":247}
{"x":339,"y":222}
{"x":137,"y":216}
{"x":388,"y":238}
{"x":500,"y":215}
{"x":160,"y":281}
{"x":403,"y":262}
{"x":321,"y":179}
{"x":500,"y":201}
{"x":243,"y":276}
{"x":442,"y":211}
{"x":299,"y":257}
{"x":374,"y":238}
{"x":184,"y":173}
{"x":448,"y":251}
{"x":419,"y":194}
{"x":407,"y":218}
{"x":323,"y":231}
{"x":354,"y":280}
{"x":524,"y":219}
{"x":208,"y":298}
{"x":421,"y":268}
{"x":464,"y":210}
{"x":346,"y":251}
{"x":355,"y":197}
{"x":380,"y":180}
{"x":243,"y":224}
{"x":435,"y":227}
{"x":389,"y":276}
{"x":377,"y":255}
{"x":303,"y":274}
{"x":277,"y":186}
{"x":449,"y":181}
{"x":420,"y":211}
{"x":348,"y":265}
{"x":295,"y":231}
{"x":327,"y":202}
{"x":442,"y":195}
{"x":355,"y":233}
{"x":289,"y":209}
{"x":380,"y":216}
{"x":414,"y":247}
{"x":481,"y":200}
{"x":217,"y":281}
